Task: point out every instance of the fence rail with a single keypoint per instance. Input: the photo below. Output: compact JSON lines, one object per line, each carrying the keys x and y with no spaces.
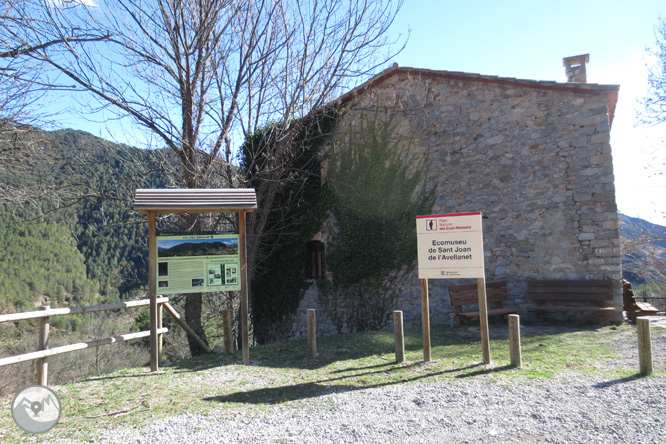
{"x":46,"y":313}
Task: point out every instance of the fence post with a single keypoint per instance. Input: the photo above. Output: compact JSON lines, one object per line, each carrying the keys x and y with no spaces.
{"x":312,"y":332}
{"x":399,"y":336}
{"x":226,"y":329}
{"x":514,"y":340}
{"x":42,"y":363}
{"x":644,"y":345}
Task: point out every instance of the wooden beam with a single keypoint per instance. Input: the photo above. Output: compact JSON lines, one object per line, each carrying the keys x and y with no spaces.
{"x":644,"y":346}
{"x":425,"y":320}
{"x":46,"y":313}
{"x":514,"y":341}
{"x":245,"y":310}
{"x":74,"y":347}
{"x":172,"y":312}
{"x":226,"y":329}
{"x":483,"y":318}
{"x":152,"y":290}
{"x":398,"y":336}
{"x":43,"y":365}
{"x":312,"y":332}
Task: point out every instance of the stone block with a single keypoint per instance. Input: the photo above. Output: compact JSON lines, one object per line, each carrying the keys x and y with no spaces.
{"x":600,"y":138}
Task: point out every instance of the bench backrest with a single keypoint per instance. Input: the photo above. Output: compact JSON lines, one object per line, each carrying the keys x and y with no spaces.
{"x":628,"y":299}
{"x":468,"y":294}
{"x":569,"y":292}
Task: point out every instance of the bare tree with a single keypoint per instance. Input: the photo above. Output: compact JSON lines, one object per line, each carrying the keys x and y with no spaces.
{"x":654,"y":102}
{"x":200,"y":76}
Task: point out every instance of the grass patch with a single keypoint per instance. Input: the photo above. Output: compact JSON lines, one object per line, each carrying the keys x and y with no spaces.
{"x":283,"y":374}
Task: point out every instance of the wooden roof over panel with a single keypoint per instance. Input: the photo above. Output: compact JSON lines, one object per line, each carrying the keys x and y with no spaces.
{"x":195,"y":200}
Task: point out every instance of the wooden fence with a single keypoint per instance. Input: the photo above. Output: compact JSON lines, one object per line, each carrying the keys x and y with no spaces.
{"x":45,"y":314}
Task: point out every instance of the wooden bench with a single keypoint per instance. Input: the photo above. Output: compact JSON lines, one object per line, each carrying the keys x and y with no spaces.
{"x":632,"y":307}
{"x":465,"y":296}
{"x":571,"y":295}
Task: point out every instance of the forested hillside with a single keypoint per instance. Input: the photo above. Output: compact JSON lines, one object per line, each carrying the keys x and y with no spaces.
{"x":40,"y":261}
{"x":75,"y":237}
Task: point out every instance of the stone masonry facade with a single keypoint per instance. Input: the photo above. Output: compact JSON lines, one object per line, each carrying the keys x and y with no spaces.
{"x":534,"y":157}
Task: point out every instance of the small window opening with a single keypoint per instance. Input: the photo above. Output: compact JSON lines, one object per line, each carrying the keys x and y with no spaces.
{"x":315,"y":259}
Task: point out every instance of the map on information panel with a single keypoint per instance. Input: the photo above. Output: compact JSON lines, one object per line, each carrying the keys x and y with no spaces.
{"x":197,"y":262}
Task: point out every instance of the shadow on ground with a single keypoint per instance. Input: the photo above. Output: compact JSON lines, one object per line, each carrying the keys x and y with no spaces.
{"x":312,"y":389}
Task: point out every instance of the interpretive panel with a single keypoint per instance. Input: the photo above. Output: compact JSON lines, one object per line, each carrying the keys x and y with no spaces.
{"x":450,"y":246}
{"x":197,"y":262}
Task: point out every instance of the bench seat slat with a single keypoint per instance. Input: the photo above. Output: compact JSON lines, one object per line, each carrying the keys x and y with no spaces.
{"x":474,"y":300}
{"x":492,"y":312}
{"x":570,"y":308}
{"x":571,"y":290}
{"x":474,"y":293}
{"x":467,"y":295}
{"x":646,"y":307}
{"x":571,"y":297}
{"x":472,"y":287}
{"x":605,"y":283}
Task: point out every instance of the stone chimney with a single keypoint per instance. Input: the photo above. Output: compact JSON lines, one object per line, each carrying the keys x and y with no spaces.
{"x":575,"y":68}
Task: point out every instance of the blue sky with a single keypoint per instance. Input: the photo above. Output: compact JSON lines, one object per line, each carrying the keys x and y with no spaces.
{"x":528,"y":39}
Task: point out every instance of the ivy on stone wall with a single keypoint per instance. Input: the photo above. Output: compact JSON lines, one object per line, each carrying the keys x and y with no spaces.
{"x":279,"y":281}
{"x":379,"y":186}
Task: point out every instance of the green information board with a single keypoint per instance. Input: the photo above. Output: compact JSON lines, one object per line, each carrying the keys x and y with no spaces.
{"x":197,"y":262}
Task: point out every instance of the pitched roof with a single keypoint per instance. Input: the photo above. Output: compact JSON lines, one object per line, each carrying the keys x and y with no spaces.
{"x":177,"y":200}
{"x":611,"y":91}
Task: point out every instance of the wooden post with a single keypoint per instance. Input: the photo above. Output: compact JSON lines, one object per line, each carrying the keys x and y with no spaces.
{"x":160,"y":336}
{"x":42,"y":363}
{"x":226,"y":329}
{"x":312,"y":332}
{"x":152,"y":289}
{"x":425,"y":320}
{"x":483,"y":318}
{"x":514,"y":340}
{"x":399,"y":336}
{"x":245,"y":311}
{"x":644,"y":345}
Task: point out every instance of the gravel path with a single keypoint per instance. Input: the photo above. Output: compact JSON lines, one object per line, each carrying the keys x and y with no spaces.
{"x":568,"y":408}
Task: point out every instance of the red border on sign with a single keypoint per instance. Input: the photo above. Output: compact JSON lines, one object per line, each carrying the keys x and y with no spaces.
{"x":448,"y":215}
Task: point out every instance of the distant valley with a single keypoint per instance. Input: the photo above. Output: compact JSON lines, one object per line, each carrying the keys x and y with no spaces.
{"x":644,"y":250}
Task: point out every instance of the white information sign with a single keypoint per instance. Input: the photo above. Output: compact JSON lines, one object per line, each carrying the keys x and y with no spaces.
{"x":450,"y":246}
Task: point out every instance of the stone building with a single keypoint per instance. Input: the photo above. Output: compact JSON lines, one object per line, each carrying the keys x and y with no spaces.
{"x":533,"y":156}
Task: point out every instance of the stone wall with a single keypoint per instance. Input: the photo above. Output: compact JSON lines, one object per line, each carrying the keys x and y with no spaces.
{"x":533,"y":157}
